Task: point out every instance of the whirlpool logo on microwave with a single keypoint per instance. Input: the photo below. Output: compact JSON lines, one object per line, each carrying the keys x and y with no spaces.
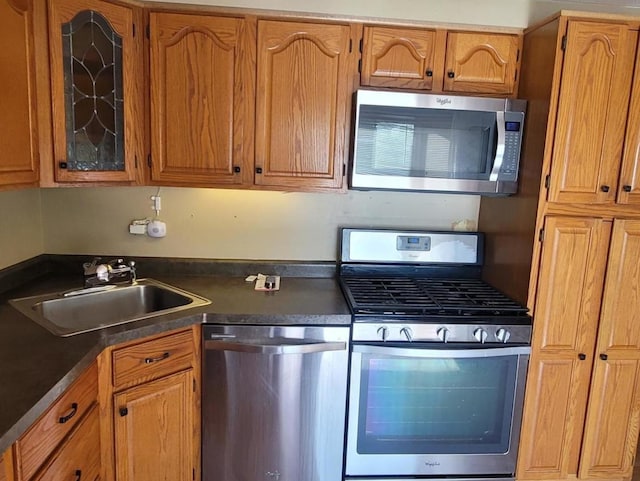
{"x":443,"y":100}
{"x":431,"y":464}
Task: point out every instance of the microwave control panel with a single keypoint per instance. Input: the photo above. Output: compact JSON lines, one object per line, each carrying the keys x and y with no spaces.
{"x":514,"y":121}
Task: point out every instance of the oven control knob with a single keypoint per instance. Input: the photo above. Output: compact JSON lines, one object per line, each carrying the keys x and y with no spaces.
{"x":383,"y":332}
{"x":480,"y":335}
{"x":443,"y":334}
{"x":503,"y":335}
{"x":407,"y":332}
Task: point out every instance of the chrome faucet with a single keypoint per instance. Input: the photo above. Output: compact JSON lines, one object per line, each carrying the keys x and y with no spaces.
{"x":115,"y":271}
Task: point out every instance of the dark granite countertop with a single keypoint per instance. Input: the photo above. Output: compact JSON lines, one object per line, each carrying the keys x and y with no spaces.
{"x":36,"y":366}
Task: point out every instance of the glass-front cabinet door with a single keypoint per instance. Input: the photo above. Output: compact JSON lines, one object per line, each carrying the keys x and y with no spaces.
{"x":96,"y":91}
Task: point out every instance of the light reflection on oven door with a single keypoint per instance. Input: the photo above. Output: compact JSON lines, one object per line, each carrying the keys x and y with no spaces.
{"x":435,"y":412}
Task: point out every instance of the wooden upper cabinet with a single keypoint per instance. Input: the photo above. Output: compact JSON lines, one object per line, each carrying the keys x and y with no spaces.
{"x":592,"y":112}
{"x":567,"y":310}
{"x":399,"y":57}
{"x":613,"y":418}
{"x":629,"y":183}
{"x":96,"y":81}
{"x":306,"y":76}
{"x":19,"y":162}
{"x":202,"y":97}
{"x":481,"y":62}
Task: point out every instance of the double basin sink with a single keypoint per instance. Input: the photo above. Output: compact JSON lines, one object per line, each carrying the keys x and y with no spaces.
{"x":74,"y":312}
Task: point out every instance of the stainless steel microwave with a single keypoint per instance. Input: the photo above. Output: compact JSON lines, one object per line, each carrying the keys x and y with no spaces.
{"x":426,"y":142}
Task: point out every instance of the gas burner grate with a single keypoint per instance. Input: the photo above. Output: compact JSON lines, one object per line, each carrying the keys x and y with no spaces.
{"x":432,"y":296}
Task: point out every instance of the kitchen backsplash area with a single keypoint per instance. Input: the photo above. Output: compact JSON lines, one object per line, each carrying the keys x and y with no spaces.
{"x":21,"y":234}
{"x":234,"y":224}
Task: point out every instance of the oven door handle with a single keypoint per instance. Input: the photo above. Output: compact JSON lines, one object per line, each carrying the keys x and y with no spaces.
{"x":442,"y":353}
{"x":284,"y":346}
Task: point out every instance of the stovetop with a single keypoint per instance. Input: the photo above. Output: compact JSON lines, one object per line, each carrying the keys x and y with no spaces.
{"x":441,"y":297}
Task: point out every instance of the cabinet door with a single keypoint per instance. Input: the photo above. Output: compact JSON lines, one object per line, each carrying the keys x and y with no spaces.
{"x":202,"y":76}
{"x":566,"y":317}
{"x":78,"y":458}
{"x":481,"y":62}
{"x":629,"y":185}
{"x":19,"y":163}
{"x":156,"y":434}
{"x":96,"y":84}
{"x":399,"y":57}
{"x":305,"y":79}
{"x":613,"y":418}
{"x":592,"y":112}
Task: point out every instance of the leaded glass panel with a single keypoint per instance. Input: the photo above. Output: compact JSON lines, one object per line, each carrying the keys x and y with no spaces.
{"x":94,"y":107}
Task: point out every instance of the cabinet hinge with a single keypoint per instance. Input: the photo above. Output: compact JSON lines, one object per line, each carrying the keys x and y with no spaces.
{"x":360,"y":66}
{"x":148,"y":31}
{"x":541,"y":236}
{"x":547,"y":181}
{"x":194,"y":385}
{"x":135,"y":161}
{"x":344,"y":169}
{"x":515,"y":77}
{"x":193,"y":476}
{"x":149,"y":160}
{"x":134,"y":29}
{"x":360,"y":46}
{"x":564,"y":43}
{"x":518,"y":55}
{"x":350,"y":45}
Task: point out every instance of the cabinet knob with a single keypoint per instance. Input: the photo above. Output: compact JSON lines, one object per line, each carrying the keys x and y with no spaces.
{"x":626,"y":188}
{"x":604,"y":188}
{"x":429,"y":72}
{"x":451,"y":74}
{"x":78,"y":475}
{"x":604,"y":357}
{"x":123,"y":412}
{"x":236,"y":169}
{"x":258,"y":170}
{"x":582,"y":356}
{"x":62,"y":165}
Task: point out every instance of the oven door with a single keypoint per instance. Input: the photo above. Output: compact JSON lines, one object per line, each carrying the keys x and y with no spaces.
{"x":430,"y":411}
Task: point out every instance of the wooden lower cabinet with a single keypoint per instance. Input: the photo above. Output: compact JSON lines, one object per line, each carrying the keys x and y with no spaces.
{"x":78,"y":458}
{"x":154,"y":430}
{"x":582,"y":405}
{"x":154,"y":408}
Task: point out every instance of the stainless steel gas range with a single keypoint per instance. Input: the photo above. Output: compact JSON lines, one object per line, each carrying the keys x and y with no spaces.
{"x":438,"y":362}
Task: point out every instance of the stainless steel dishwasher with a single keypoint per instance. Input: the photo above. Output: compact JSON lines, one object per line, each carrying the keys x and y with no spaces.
{"x":274,"y":402}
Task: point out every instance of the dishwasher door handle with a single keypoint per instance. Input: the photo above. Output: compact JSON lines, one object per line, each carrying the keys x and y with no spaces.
{"x":293,"y":346}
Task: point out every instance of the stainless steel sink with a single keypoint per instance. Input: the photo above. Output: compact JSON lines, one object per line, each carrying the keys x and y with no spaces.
{"x":83,"y":310}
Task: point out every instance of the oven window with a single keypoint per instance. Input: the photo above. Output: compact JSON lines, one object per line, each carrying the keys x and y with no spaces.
{"x":436,"y":405}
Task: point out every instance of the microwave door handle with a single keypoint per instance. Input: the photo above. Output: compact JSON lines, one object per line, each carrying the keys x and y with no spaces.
{"x":291,"y":347}
{"x":497,"y":162}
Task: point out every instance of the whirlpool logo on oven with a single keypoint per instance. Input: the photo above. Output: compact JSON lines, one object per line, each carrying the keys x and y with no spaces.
{"x":431,"y":464}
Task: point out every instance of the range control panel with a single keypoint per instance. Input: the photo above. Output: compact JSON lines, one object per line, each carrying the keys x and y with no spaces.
{"x":442,"y":333}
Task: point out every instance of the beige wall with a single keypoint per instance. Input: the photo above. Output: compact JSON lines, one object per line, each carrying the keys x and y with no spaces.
{"x":234,"y":224}
{"x":486,"y":12}
{"x":21,"y":235}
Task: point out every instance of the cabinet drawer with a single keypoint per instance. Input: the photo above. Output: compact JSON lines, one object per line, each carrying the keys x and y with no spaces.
{"x":152,"y":359}
{"x":79,"y":457}
{"x":43,"y":437}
